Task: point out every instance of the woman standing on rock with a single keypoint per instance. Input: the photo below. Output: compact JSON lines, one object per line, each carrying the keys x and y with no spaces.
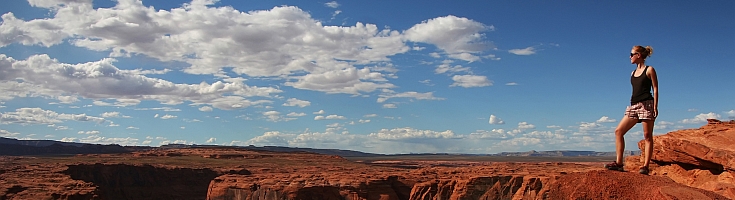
{"x":643,"y":108}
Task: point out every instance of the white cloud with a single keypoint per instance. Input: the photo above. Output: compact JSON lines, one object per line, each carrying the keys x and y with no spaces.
{"x":110,"y":114}
{"x":389,"y":105}
{"x":102,"y":79}
{"x":410,"y":133}
{"x":274,"y":138}
{"x":525,"y":125}
{"x":88,"y":132}
{"x":370,"y":115}
{"x":67,"y":99}
{"x":8,"y":134}
{"x":275,"y":116}
{"x":335,"y":117}
{"x":605,"y":119}
{"x":511,"y":83}
{"x":731,"y":114}
{"x":388,"y":94}
{"x":40,"y":116}
{"x":320,"y":117}
{"x":280,"y":42}
{"x":468,"y":81}
{"x":454,"y":35}
{"x":332,"y":4}
{"x":320,"y":112}
{"x":168,"y":116}
{"x":205,"y":109}
{"x":295,"y":114}
{"x":495,"y":120}
{"x":701,"y":118}
{"x":523,"y":52}
{"x":296,"y":102}
{"x":465,"y":56}
{"x":348,"y":81}
{"x":446,"y":68}
{"x":495,"y":134}
{"x":211,"y":140}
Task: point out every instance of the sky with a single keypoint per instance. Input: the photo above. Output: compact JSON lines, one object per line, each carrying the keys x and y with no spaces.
{"x":387,"y":77}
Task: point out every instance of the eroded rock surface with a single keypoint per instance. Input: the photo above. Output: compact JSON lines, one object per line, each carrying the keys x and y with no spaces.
{"x":702,"y":158}
{"x":614,"y":185}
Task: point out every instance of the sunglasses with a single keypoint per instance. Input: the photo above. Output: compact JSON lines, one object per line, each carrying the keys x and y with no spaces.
{"x":633,"y":54}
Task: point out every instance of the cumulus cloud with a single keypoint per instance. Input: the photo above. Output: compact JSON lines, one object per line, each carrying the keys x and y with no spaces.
{"x":88,"y":132}
{"x":468,"y":81}
{"x":454,"y":35}
{"x":205,"y":109}
{"x":348,"y":81}
{"x":296,"y":102}
{"x":495,"y":134}
{"x":113,"y":115}
{"x":701,"y":118}
{"x":211,"y":140}
{"x":525,"y":125}
{"x":495,"y":120}
{"x":167,"y":116}
{"x":275,"y":116}
{"x":101,"y":79}
{"x":410,"y":133}
{"x":320,"y":117}
{"x":295,"y":114}
{"x":40,"y":116}
{"x":273,"y":138}
{"x":523,"y":52}
{"x":605,"y":119}
{"x":284,"y":41}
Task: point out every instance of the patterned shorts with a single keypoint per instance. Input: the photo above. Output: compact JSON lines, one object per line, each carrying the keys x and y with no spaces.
{"x":641,"y":110}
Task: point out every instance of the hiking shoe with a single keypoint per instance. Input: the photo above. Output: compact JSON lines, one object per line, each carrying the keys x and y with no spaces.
{"x":614,"y":166}
{"x":644,"y":170}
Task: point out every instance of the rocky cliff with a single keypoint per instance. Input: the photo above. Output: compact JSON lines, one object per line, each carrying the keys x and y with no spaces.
{"x":702,"y":158}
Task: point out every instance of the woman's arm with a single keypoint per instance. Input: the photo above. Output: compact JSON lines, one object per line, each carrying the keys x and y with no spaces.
{"x":654,"y":83}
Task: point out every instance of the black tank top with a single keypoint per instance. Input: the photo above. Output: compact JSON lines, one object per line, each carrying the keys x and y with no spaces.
{"x":641,"y":87}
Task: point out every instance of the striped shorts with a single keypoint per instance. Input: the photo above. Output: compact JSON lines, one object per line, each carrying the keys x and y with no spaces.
{"x":641,"y":110}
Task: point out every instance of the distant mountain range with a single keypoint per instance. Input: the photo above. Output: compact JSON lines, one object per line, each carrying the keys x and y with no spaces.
{"x":15,"y":147}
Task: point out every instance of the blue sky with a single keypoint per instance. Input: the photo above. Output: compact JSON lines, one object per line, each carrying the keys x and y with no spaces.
{"x":373,"y":76}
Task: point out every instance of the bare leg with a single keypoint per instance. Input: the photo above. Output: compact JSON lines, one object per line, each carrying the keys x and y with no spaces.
{"x":648,"y":138}
{"x":623,"y":127}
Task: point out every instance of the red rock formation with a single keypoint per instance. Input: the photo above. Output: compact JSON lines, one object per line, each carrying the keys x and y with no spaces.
{"x":702,"y":158}
{"x":614,"y":185}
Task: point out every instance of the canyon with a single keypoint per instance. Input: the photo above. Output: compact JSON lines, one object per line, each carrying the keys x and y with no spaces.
{"x":687,"y":164}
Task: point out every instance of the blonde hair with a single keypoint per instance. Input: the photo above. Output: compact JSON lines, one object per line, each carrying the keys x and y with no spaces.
{"x":645,"y":51}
